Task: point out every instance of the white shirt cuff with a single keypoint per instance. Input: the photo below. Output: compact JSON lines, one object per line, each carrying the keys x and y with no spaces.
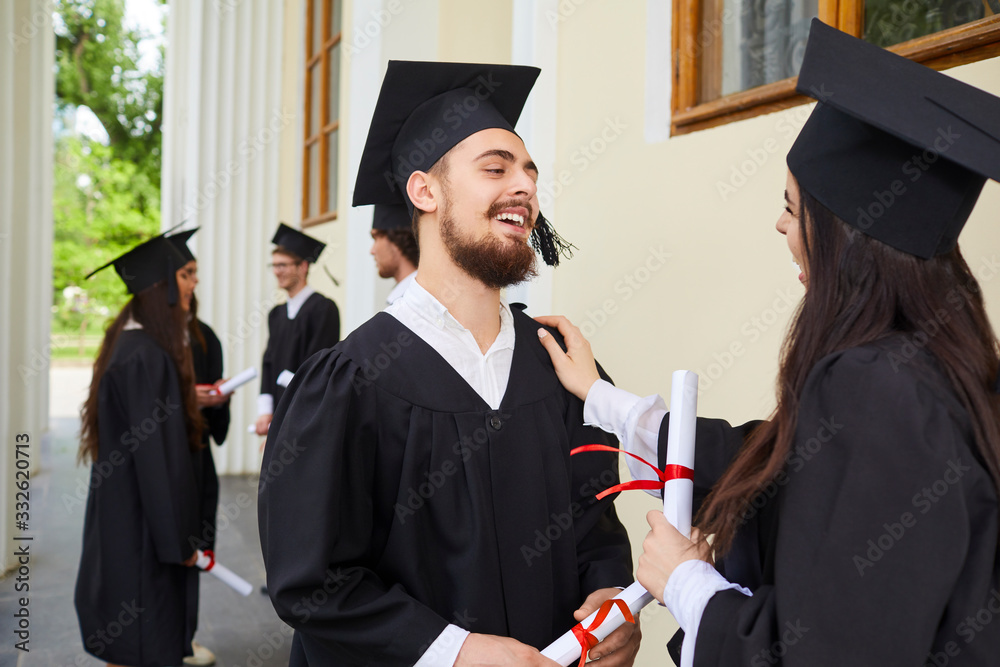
{"x":691,"y":585}
{"x":265,"y":404}
{"x":444,"y":651}
{"x":636,"y":422}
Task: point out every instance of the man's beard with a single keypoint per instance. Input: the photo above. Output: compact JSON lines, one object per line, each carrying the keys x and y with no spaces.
{"x":491,"y":261}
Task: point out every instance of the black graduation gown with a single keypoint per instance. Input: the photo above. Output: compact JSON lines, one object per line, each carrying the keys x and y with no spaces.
{"x":207,"y":369}
{"x":394,"y":501}
{"x":878,"y":544}
{"x":290,"y":342}
{"x":142,"y":513}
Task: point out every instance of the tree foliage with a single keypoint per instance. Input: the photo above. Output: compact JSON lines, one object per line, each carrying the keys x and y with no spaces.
{"x":106,"y":198}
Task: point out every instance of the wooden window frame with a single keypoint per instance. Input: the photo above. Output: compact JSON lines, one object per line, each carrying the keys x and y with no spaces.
{"x":324,"y":131}
{"x":960,"y":45}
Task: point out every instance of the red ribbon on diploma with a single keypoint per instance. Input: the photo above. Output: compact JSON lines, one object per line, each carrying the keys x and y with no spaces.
{"x":211,"y":559}
{"x":672,"y":471}
{"x":582,"y":634}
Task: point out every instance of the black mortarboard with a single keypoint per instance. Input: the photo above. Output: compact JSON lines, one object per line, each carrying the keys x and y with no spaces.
{"x":147,"y":264}
{"x":391,"y":216}
{"x":424,"y":110}
{"x":301,"y":244}
{"x":894,"y":148}
{"x":180,"y":240}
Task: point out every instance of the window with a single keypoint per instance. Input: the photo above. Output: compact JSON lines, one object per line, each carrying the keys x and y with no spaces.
{"x":322,"y":111}
{"x":735,"y":59}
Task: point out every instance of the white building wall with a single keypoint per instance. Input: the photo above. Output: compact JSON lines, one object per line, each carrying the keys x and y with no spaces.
{"x":27,"y":89}
{"x":224,"y":120}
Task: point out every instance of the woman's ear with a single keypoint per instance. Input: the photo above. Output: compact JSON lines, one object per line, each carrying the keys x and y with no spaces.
{"x":418,"y":189}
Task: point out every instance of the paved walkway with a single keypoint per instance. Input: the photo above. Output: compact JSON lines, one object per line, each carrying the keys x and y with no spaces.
{"x":243,"y":632}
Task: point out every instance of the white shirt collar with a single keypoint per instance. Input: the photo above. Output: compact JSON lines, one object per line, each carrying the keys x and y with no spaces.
{"x":400,"y":288}
{"x":295,"y":303}
{"x":427,"y":307}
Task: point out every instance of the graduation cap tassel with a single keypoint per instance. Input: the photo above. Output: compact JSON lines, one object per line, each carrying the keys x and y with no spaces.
{"x":547,"y":242}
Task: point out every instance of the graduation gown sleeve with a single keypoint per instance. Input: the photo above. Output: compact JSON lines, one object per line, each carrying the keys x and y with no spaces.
{"x":323,"y":328}
{"x":217,"y":418}
{"x":268,"y":372}
{"x":326,"y":443}
{"x":886,"y":535}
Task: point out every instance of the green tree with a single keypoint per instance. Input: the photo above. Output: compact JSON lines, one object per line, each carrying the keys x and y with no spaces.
{"x":106,"y":197}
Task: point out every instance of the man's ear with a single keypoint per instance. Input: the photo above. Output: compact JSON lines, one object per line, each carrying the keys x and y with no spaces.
{"x":418,"y":189}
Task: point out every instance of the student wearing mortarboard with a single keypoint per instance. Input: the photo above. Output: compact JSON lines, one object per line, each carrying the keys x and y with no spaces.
{"x":426,"y":485}
{"x":299,"y":328}
{"x":141,"y":432}
{"x":206,"y":357}
{"x":394,"y":247}
{"x":859,"y":524}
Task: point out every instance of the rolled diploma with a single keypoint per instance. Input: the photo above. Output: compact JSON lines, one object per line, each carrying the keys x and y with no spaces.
{"x":230,"y":385}
{"x":676,"y":507}
{"x":677,"y":493}
{"x":223,"y":573}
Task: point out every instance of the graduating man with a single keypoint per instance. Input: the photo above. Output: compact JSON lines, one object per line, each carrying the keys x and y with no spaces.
{"x":394,"y":247}
{"x":418,"y":502}
{"x":307,"y":323}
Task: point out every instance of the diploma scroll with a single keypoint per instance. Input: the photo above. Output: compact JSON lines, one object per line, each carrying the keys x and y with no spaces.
{"x":230,"y":385}
{"x":677,"y":505}
{"x":206,"y":561}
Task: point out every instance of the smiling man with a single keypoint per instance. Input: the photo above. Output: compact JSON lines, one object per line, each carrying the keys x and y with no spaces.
{"x":431,"y":513}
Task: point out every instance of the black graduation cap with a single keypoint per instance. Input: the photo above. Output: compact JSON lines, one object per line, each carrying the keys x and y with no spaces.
{"x":180,"y":240}
{"x":894,"y":148}
{"x":301,"y":244}
{"x":391,"y":216}
{"x":147,"y":264}
{"x":424,"y":110}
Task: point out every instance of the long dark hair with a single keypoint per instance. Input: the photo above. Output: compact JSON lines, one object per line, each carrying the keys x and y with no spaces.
{"x":194,"y":330}
{"x":861,"y":290}
{"x":166,"y":325}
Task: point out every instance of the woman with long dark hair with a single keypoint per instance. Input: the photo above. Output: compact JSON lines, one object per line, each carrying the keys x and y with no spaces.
{"x":858,"y":525}
{"x":137,"y":592}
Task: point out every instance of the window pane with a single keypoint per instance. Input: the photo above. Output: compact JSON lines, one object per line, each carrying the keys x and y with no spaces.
{"x":314,"y":183}
{"x":889,"y":22}
{"x":334,"y":84}
{"x":743,"y":44}
{"x":315,"y":113}
{"x":317,"y":24}
{"x":331,"y":183}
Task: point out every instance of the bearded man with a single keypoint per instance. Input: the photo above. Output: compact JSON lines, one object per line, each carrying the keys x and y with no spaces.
{"x":418,"y":503}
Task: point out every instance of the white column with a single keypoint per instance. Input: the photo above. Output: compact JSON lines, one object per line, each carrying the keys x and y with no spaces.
{"x":223,"y":121}
{"x":27,"y":89}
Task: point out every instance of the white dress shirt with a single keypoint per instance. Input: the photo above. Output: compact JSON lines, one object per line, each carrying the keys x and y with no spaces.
{"x":487,"y":374}
{"x":265,"y":402}
{"x":400,"y":288}
{"x":636,"y":421}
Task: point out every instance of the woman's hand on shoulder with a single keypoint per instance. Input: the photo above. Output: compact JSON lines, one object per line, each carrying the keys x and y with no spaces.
{"x":576,"y":368}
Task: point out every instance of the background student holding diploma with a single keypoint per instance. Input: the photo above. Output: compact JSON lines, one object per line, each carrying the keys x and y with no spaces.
{"x":881,"y":547}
